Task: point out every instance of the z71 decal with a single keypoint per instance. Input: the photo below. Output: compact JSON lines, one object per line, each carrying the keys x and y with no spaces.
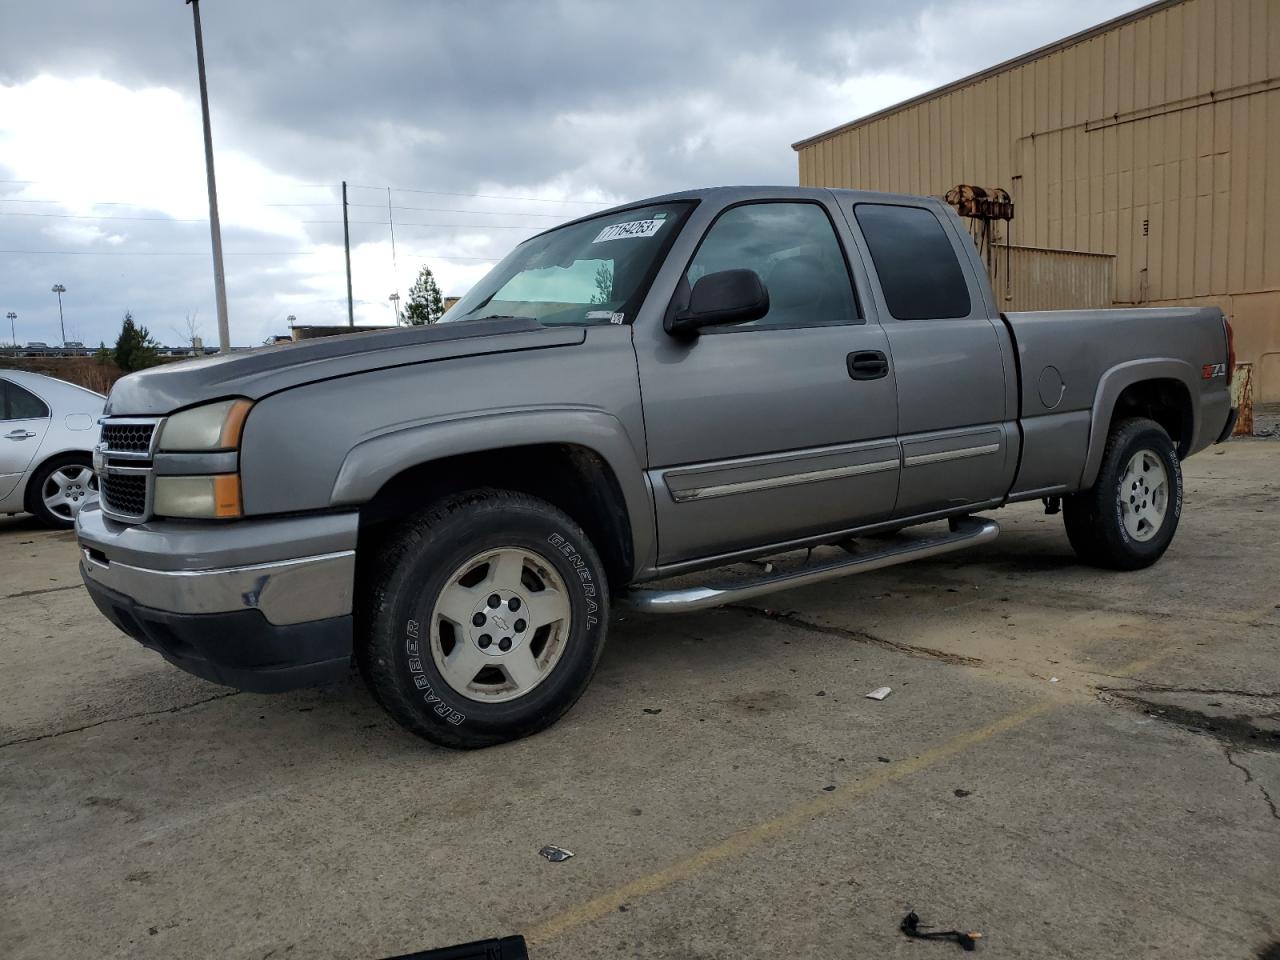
{"x":1211,"y":370}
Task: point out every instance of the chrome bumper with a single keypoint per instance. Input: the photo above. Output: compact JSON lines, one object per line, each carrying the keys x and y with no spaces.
{"x":301,"y":569}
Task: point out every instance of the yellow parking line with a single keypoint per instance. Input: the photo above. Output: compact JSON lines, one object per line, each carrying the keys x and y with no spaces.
{"x":742,"y":841}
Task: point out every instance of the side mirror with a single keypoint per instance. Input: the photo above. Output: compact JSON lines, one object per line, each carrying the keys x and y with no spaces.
{"x":724,"y":297}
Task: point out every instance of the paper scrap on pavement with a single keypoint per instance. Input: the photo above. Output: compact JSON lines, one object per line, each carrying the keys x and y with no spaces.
{"x":879,"y":693}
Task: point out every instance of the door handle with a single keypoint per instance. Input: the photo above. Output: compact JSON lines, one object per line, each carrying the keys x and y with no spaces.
{"x":19,"y":435}
{"x":868,"y":365}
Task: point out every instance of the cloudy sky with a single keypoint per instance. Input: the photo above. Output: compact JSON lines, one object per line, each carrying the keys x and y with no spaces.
{"x":490,"y":121}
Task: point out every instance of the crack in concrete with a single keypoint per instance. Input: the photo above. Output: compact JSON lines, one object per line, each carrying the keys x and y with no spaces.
{"x":127,"y":716}
{"x":1248,"y":778}
{"x":36,"y":593}
{"x":861,"y":636}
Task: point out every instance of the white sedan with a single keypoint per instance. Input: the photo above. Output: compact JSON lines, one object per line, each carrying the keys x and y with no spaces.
{"x":47,"y":431}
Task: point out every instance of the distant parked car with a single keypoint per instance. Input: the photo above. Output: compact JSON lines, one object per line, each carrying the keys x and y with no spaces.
{"x":47,"y":431}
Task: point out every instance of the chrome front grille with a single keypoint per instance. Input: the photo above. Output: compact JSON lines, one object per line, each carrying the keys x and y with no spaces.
{"x":122,"y":460}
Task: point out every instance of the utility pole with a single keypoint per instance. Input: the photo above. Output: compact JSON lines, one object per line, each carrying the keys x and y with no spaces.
{"x":395,"y":272}
{"x":59,"y":289}
{"x":395,"y":305}
{"x":11,"y":317}
{"x":215,"y":230}
{"x":346,"y":241}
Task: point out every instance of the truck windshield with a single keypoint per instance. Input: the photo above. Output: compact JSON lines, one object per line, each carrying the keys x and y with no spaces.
{"x":587,"y":273}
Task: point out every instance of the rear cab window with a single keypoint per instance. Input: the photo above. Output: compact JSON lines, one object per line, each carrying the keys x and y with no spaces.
{"x":920,"y":274}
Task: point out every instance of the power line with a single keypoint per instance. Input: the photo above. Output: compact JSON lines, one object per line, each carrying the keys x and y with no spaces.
{"x":84,"y":216}
{"x":483,"y":196}
{"x":411,"y":223}
{"x":205,"y":253}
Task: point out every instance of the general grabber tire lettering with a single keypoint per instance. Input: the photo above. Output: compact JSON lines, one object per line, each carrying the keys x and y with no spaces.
{"x":1128,"y":518}
{"x":483,"y":620}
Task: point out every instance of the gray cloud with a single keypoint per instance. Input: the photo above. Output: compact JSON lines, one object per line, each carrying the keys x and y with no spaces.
{"x":611,"y":100}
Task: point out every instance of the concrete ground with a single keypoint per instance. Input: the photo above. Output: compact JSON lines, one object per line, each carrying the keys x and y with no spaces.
{"x":725,"y":785}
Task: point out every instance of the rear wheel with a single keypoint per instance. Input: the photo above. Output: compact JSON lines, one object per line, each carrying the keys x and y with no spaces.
{"x":59,"y":488}
{"x":485,"y":619}
{"x":1128,"y":518}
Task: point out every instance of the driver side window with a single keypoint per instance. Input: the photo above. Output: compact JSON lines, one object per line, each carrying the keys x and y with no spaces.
{"x":793,"y":247}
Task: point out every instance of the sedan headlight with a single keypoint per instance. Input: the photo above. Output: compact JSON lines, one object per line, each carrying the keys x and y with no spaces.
{"x":213,"y":426}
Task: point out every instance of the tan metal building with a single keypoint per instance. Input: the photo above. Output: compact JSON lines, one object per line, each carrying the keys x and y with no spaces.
{"x":1153,"y":138}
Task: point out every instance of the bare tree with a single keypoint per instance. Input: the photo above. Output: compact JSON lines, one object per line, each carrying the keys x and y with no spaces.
{"x":191,"y":329}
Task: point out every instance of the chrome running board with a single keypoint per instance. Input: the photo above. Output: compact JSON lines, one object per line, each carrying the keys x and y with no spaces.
{"x":964,"y":532}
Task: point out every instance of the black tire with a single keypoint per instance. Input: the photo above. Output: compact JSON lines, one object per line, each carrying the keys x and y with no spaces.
{"x":1095,"y":517}
{"x":394,"y":648}
{"x":35,"y":495}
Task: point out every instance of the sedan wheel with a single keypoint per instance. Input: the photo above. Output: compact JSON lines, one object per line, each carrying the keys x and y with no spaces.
{"x":67,"y":489}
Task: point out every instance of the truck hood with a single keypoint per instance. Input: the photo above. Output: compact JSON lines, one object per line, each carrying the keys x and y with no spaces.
{"x":257,"y":373}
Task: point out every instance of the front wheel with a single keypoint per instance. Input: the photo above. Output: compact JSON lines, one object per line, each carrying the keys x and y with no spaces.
{"x":1128,"y":518}
{"x":60,"y":487}
{"x":485,"y":619}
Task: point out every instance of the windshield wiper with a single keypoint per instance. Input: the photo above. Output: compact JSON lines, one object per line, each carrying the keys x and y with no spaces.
{"x":502,"y":316}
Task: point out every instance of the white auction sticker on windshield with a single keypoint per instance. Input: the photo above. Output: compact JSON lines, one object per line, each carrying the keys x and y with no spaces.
{"x":635,"y":228}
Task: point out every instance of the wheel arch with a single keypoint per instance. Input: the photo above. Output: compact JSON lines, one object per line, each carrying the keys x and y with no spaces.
{"x":1160,"y":390}
{"x":592,"y":474}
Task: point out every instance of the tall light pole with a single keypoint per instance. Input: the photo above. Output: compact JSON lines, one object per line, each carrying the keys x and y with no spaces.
{"x":59,"y":289}
{"x":395,"y":306}
{"x":11,"y":317}
{"x":215,"y":230}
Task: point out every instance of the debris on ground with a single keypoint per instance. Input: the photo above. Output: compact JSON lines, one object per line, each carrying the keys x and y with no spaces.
{"x":652,"y":711}
{"x":879,"y":693}
{"x":916,"y":930}
{"x":1053,"y":679}
{"x":555,"y":854}
{"x":961,"y":792}
{"x":884,"y":759}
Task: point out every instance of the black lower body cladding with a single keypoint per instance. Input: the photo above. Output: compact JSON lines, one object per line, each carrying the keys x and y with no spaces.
{"x":239,"y":649}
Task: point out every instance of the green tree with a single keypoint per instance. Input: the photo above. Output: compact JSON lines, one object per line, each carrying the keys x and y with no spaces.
{"x":425,"y":303}
{"x":103,"y":355}
{"x":135,"y":349}
{"x":604,"y":282}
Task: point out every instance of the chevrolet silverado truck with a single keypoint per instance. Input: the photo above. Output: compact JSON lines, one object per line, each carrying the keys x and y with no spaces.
{"x":660,"y":390}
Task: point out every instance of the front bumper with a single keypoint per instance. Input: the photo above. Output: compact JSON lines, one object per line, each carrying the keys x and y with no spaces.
{"x":260,"y":605}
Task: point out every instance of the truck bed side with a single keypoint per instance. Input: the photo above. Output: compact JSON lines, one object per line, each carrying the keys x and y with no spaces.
{"x":1078,"y":368}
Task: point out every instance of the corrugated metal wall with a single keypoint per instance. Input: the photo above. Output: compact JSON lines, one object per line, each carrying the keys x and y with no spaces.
{"x":1157,"y":140}
{"x":1035,"y":278}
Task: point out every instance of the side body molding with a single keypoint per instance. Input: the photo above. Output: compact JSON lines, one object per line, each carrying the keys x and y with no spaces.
{"x":374,"y":461}
{"x":1113,"y":382}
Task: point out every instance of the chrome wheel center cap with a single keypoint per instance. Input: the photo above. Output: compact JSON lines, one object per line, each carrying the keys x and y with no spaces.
{"x":498,"y":624}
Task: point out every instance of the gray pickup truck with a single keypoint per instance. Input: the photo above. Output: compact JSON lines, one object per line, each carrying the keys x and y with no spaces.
{"x":665,"y":388}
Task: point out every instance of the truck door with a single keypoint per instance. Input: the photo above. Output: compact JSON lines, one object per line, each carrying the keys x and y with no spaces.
{"x":779,"y":428}
{"x":24,"y":419}
{"x":955,"y":421}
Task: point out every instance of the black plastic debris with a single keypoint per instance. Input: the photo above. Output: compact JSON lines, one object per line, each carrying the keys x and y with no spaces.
{"x":916,"y":930}
{"x":652,"y":711}
{"x":555,"y":854}
{"x":507,"y":948}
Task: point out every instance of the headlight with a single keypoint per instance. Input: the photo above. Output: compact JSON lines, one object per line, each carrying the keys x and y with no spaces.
{"x":214,"y":426}
{"x":200,"y":497}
